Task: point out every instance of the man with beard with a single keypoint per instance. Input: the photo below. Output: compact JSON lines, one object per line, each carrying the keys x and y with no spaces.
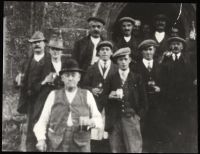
{"x":177,"y":85}
{"x":127,"y":39}
{"x":160,"y":34}
{"x":33,"y":73}
{"x":68,"y":115}
{"x":85,"y":49}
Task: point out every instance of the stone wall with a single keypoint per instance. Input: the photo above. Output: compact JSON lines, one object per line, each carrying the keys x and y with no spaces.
{"x":68,"y":19}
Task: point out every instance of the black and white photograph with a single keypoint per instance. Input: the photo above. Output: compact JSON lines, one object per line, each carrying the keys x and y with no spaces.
{"x":99,"y":77}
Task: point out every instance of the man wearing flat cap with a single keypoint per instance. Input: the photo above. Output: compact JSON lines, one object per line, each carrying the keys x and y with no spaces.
{"x":126,"y":37}
{"x":68,"y":115}
{"x":33,"y":73}
{"x":160,"y":35}
{"x":178,"y":81}
{"x":150,"y":69}
{"x":127,"y":104}
{"x":95,"y":79}
{"x":85,"y":49}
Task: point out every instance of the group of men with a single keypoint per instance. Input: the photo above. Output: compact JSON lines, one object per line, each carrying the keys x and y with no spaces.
{"x":125,"y":95}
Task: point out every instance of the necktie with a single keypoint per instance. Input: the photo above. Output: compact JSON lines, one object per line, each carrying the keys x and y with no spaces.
{"x":149,"y":66}
{"x":123,"y":76}
{"x":104,"y":68}
{"x":176,"y":57}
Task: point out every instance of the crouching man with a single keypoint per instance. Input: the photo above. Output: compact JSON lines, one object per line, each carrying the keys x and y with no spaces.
{"x":68,"y":115}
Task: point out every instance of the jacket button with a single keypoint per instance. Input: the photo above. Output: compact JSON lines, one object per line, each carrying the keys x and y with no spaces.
{"x":122,"y":110}
{"x":122,"y":105}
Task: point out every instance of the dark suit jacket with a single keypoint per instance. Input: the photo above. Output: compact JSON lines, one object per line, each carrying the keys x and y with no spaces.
{"x":83,"y":50}
{"x":136,"y":96}
{"x":177,"y":81}
{"x":147,"y":76}
{"x":31,"y":88}
{"x":163,"y":46}
{"x":46,"y":89}
{"x":92,"y":79}
{"x":132,"y":44}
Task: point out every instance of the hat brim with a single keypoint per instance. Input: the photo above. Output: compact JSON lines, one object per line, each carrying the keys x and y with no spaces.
{"x":71,"y":70}
{"x":36,"y":40}
{"x":127,"y":20}
{"x":147,"y":45}
{"x":176,"y":39}
{"x":104,"y":45}
{"x":51,"y":46}
{"x":96,"y":19}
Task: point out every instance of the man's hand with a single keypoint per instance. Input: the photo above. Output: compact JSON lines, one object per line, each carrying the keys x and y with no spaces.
{"x":41,"y":146}
{"x":96,"y":91}
{"x":195,"y":82}
{"x":157,"y":89}
{"x":48,"y":78}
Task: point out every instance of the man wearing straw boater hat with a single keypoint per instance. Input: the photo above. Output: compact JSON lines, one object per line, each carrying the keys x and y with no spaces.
{"x":68,"y":115}
{"x":33,"y":73}
{"x":178,"y":81}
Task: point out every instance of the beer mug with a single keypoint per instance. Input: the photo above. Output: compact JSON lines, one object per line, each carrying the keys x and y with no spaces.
{"x":84,"y":123}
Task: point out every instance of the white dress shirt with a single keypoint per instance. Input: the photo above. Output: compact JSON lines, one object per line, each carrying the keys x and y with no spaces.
{"x":174,"y":55}
{"x":127,"y":38}
{"x":41,"y":125}
{"x":147,"y":63}
{"x":124,"y":74}
{"x":38,"y":57}
{"x":57,"y":66}
{"x":95,"y":41}
{"x":101,"y":64}
{"x":159,"y":36}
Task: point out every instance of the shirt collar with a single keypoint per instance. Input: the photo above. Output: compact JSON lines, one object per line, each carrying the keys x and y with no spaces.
{"x":174,"y":55}
{"x":103,"y":62}
{"x":127,"y":38}
{"x":95,"y":40}
{"x":125,"y":72}
{"x":146,"y":62}
{"x":38,"y":57}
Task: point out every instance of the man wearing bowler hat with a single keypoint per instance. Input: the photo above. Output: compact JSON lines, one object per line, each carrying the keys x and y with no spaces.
{"x":68,"y":115}
{"x":126,"y":38}
{"x":178,"y":82}
{"x":52,"y":80}
{"x":33,"y":73}
{"x":126,"y":106}
{"x":95,"y":79}
{"x":85,"y":49}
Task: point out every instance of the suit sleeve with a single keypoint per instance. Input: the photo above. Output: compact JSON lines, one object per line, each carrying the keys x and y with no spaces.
{"x":87,"y":80}
{"x":143,"y":107}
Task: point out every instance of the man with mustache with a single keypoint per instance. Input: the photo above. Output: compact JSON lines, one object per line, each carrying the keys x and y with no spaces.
{"x":127,"y":39}
{"x":160,"y":35}
{"x":85,"y":49}
{"x":177,"y":85}
{"x":33,"y":73}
